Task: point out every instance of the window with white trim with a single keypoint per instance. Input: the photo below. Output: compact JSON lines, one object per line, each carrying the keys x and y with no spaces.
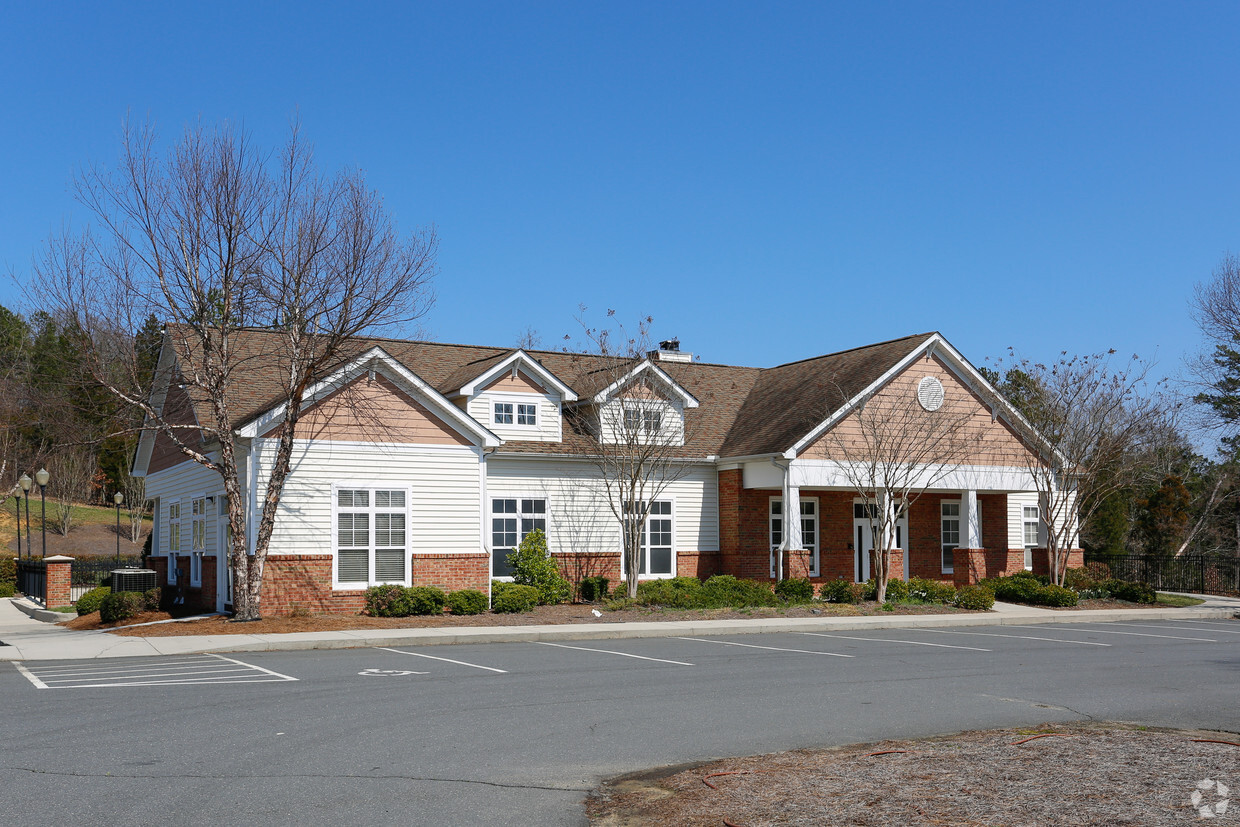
{"x":522,"y":414}
{"x":371,"y":536}
{"x":809,"y":530}
{"x":950,"y":514}
{"x":1029,"y":525}
{"x":198,"y":524}
{"x":195,"y":569}
{"x":511,"y":519}
{"x":657,"y":556}
{"x":642,"y":419}
{"x":174,"y":527}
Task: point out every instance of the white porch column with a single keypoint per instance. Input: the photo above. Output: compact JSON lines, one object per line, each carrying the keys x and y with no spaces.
{"x":970,"y":524}
{"x":792,"y":523}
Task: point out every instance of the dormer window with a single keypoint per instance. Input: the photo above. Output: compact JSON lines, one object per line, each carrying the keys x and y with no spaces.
{"x":519,"y":413}
{"x":640,"y":419}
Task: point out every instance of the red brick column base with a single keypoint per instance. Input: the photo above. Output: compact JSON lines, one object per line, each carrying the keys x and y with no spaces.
{"x":59,"y":577}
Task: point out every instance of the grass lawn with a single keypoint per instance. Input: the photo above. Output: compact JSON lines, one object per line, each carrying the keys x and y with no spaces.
{"x":1177,"y":601}
{"x":82,"y":515}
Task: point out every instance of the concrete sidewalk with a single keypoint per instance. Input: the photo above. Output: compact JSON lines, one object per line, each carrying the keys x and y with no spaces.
{"x":24,"y":638}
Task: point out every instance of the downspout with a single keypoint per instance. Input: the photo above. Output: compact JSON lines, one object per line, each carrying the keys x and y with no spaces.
{"x":482,"y":508}
{"x":783,"y":541}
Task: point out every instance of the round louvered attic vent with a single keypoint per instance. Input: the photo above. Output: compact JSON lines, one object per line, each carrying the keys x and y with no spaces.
{"x":930,"y":393}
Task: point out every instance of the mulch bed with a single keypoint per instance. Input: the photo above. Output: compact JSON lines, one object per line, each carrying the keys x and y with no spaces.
{"x":1102,"y":774}
{"x":568,"y":613}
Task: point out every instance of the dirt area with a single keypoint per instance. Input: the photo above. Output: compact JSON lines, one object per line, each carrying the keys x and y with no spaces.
{"x":1107,"y":774}
{"x":90,"y":540}
{"x":571,"y":613}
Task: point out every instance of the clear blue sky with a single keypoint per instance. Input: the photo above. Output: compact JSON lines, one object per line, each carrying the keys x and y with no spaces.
{"x":769,"y":181}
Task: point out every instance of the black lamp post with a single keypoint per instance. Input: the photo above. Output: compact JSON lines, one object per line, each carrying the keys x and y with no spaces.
{"x":17,"y":503}
{"x":25,"y":482}
{"x":41,"y":477}
{"x":118,"y":498}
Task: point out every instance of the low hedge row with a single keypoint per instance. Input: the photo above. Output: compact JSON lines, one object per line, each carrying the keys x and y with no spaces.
{"x":116,"y":606}
{"x":403,"y":601}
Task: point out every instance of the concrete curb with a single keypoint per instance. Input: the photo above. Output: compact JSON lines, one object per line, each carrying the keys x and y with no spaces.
{"x":45,"y":615}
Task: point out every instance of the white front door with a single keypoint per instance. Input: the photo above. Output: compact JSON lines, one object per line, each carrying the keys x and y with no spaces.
{"x":865,"y":530}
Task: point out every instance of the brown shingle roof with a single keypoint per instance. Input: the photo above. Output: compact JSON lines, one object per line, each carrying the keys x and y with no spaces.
{"x":742,"y":411}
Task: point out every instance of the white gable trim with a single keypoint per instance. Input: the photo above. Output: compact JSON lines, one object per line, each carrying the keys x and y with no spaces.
{"x":959,"y":367}
{"x":688,"y":399}
{"x":378,"y":359}
{"x":164,"y":371}
{"x":522,"y":361}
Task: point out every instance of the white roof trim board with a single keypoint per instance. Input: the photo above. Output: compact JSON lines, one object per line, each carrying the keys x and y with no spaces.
{"x":404,"y":378}
{"x":524,"y":362}
{"x":689,"y":400}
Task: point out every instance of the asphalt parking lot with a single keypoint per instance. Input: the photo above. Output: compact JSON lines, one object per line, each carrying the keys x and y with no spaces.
{"x":517,"y":733}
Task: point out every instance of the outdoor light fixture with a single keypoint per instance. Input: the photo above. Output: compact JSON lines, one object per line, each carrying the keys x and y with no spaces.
{"x":41,"y":477}
{"x":25,"y":482}
{"x":118,"y":498}
{"x":17,"y":503}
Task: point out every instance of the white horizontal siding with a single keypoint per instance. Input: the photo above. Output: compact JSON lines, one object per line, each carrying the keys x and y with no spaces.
{"x":549,"y":426}
{"x":580,"y":517}
{"x":611,"y":420}
{"x":1015,"y":516}
{"x":183,"y":482}
{"x":445,"y":484}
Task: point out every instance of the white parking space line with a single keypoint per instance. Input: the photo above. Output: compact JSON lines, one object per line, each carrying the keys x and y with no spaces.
{"x":445,"y":660}
{"x":1018,"y":637}
{"x":612,"y":652}
{"x":771,"y":648}
{"x":1178,"y":628}
{"x":1133,"y":634}
{"x":207,"y":669}
{"x":1212,"y":624}
{"x":892,"y":640}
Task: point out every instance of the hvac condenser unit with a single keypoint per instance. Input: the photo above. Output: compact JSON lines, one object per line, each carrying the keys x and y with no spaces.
{"x":133,"y":580}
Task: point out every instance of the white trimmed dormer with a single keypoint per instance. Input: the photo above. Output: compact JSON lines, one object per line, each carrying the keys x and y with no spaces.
{"x":518,"y":399}
{"x":643,"y":406}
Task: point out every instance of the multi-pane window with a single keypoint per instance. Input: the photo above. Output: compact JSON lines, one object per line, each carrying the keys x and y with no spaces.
{"x":951,"y":533}
{"x":511,"y":520}
{"x":656,"y":553}
{"x":1029,"y":524}
{"x":174,"y":527}
{"x":519,"y":413}
{"x":642,"y":419}
{"x":503,"y":413}
{"x":198,"y":524}
{"x":371,"y":536}
{"x":527,"y":414}
{"x":195,"y":569}
{"x":809,"y":530}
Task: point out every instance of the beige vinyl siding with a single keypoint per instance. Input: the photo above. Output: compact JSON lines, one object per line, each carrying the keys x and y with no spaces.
{"x":444,"y":482}
{"x":579,"y":516}
{"x":549,"y":427}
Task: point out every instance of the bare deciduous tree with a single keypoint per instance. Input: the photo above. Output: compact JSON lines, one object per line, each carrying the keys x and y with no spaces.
{"x":1093,"y":423}
{"x":891,"y":448}
{"x":72,"y":468}
{"x":218,"y":240}
{"x":634,"y":426}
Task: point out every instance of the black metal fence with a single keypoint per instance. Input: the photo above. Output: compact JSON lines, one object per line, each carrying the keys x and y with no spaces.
{"x":1196,"y":573}
{"x":90,"y":573}
{"x":32,"y":578}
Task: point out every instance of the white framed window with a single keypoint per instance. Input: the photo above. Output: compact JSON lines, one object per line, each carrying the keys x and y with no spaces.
{"x":516,"y":414}
{"x":511,"y":519}
{"x":371,"y":537}
{"x":198,"y":524}
{"x":174,"y":528}
{"x":809,"y":530}
{"x":1030,"y":520}
{"x":195,"y":569}
{"x":172,"y":568}
{"x":950,"y":522}
{"x":657,"y":556}
{"x":642,"y":419}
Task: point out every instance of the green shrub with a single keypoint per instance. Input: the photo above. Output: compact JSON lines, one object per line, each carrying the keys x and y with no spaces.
{"x":8,"y":570}
{"x":1055,"y":596}
{"x":7,"y":589}
{"x":152,"y":598}
{"x":897,"y":590}
{"x":1014,"y":589}
{"x":839,"y":591}
{"x":726,"y":590}
{"x":795,"y":590}
{"x":976,"y":598}
{"x":388,"y":601}
{"x":467,"y":602}
{"x":121,"y":606}
{"x":672,"y":593}
{"x":1133,"y":592}
{"x":1040,"y":579}
{"x":508,"y":598}
{"x":425,"y":600}
{"x":1080,"y":580}
{"x":593,"y":589}
{"x":931,"y":591}
{"x":532,"y":565}
{"x":93,"y":599}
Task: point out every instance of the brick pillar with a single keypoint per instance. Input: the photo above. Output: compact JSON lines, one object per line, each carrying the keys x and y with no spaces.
{"x":968,"y":566}
{"x":59,"y":577}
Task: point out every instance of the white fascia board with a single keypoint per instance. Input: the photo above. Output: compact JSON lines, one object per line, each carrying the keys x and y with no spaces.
{"x":825,"y":473}
{"x":523,"y":361}
{"x":159,"y":394}
{"x":689,"y":400}
{"x":404,"y":378}
{"x":851,"y":404}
